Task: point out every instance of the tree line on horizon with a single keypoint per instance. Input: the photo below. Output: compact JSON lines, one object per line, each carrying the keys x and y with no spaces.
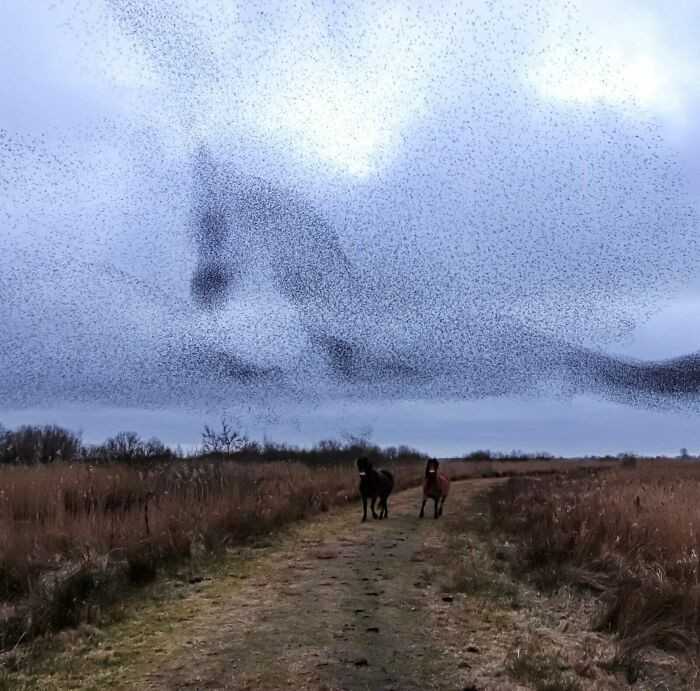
{"x":42,"y":444}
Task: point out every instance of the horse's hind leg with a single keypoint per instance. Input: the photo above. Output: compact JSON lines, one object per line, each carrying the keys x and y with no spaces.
{"x":442,"y":505}
{"x":437,"y":503}
{"x":384,"y":512}
{"x":374,"y":513}
{"x":422,"y":508}
{"x":364,"y":507}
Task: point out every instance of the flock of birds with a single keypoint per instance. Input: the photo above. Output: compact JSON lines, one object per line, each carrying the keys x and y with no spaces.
{"x":164,"y":258}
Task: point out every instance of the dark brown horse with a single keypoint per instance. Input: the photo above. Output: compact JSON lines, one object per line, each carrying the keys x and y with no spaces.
{"x":436,"y":486}
{"x":374,"y":484}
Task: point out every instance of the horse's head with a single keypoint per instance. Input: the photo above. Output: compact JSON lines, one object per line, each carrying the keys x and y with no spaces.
{"x":363,"y":465}
{"x":431,"y":468}
{"x":241,"y":222}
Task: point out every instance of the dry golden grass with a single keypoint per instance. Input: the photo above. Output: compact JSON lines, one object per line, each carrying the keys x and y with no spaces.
{"x":631,"y":534}
{"x":69,"y":531}
{"x":73,"y":536}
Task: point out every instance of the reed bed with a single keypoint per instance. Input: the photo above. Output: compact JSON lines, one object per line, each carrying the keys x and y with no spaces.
{"x":632,"y":535}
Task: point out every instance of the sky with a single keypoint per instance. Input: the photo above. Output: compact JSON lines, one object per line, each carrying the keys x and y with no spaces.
{"x":457,"y":227}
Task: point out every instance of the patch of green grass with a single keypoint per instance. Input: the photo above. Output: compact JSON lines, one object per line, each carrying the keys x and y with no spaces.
{"x":540,"y":669}
{"x":476,"y":572}
{"x":89,"y":657}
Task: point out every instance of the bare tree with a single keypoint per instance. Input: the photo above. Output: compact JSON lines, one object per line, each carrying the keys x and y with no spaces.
{"x":226,"y":440}
{"x":125,"y":447}
{"x":154,"y":448}
{"x":30,"y":444}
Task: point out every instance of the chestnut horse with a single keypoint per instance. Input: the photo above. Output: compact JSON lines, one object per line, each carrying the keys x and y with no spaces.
{"x":436,"y":486}
{"x":374,"y":484}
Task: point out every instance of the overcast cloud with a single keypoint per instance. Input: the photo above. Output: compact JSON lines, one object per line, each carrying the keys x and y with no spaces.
{"x":448,"y":226}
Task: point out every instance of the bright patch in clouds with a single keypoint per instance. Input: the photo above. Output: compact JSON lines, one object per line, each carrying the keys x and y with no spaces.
{"x":605,"y":77}
{"x":347,"y":108}
{"x":335,"y":119}
{"x":619,"y":60}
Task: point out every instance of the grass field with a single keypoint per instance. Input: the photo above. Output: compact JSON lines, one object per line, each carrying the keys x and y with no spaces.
{"x":630,"y":535}
{"x":74,"y":536}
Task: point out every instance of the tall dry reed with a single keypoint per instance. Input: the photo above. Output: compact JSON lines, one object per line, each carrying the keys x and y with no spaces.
{"x":632,"y":535}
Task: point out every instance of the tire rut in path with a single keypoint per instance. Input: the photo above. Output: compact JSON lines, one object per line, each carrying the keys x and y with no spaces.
{"x":338,"y":604}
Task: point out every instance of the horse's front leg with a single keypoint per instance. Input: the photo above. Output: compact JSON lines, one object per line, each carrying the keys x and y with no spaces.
{"x":442,"y":505}
{"x":364,"y":508}
{"x":437,"y":503}
{"x":422,"y":508}
{"x":374,"y":513}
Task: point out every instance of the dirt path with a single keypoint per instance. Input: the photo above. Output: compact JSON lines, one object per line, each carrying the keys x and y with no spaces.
{"x":336,"y":604}
{"x":341,"y":605}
